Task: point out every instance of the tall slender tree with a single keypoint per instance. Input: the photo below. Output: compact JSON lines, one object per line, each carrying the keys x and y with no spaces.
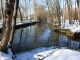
{"x":78,"y":5}
{"x":49,"y":10}
{"x":69,"y":5}
{"x":14,"y":21}
{"x":2,"y":15}
{"x":35,"y":9}
{"x":2,"y":10}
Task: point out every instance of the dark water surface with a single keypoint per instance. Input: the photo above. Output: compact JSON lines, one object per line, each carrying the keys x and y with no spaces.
{"x":41,"y":35}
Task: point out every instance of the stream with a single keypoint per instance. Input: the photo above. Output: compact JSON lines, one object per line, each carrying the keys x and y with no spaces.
{"x":41,"y":35}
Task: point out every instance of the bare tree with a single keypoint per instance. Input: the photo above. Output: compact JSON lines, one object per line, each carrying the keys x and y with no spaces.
{"x":2,"y":15}
{"x":20,"y":14}
{"x":69,"y":5}
{"x":9,"y":8}
{"x":2,"y":10}
{"x":35,"y":9}
{"x":41,"y":13}
{"x":49,"y":9}
{"x":26,"y":8}
{"x":58,"y":12}
{"x":14,"y":22}
{"x":78,"y":4}
{"x":30,"y":9}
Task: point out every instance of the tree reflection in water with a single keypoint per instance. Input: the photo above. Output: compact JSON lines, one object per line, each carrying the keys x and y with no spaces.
{"x":40,"y":35}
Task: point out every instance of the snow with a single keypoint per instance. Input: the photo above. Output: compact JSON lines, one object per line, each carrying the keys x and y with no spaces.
{"x":4,"y":56}
{"x":45,"y":53}
{"x":48,"y":54}
{"x":29,"y":55}
{"x":73,"y":28}
{"x":8,"y":55}
{"x":64,"y":54}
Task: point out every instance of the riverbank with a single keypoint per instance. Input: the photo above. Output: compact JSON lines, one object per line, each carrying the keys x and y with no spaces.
{"x":72,"y":31}
{"x":20,"y":24}
{"x":68,"y":33}
{"x":43,"y":53}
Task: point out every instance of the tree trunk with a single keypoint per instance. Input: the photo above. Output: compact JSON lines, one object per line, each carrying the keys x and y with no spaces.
{"x":9,"y":8}
{"x":20,"y":14}
{"x":49,"y":10}
{"x":2,"y":16}
{"x":35,"y":9}
{"x":78,"y":4}
{"x":14,"y":22}
{"x":69,"y":5}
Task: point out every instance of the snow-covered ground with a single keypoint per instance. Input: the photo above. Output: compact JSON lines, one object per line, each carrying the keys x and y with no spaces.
{"x":4,"y":56}
{"x":74,"y":28}
{"x":45,"y":53}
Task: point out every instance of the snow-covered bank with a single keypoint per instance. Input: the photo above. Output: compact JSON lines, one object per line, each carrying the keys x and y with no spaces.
{"x":4,"y":56}
{"x":29,"y":55}
{"x":64,"y":54}
{"x":74,"y":28}
{"x":48,"y":54}
{"x":18,"y":22}
{"x":45,"y":53}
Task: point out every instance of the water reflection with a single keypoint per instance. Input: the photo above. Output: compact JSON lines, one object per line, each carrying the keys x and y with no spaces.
{"x":65,"y":42}
{"x":40,"y":35}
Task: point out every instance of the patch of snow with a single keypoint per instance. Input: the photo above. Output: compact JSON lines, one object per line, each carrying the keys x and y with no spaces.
{"x":48,"y":54}
{"x":45,"y":54}
{"x":4,"y":56}
{"x":29,"y":55}
{"x":64,"y":54}
{"x":73,"y":28}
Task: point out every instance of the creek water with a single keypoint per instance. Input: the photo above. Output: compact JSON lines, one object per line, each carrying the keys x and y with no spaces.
{"x":41,"y":35}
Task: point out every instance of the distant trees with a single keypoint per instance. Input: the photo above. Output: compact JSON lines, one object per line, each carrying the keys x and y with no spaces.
{"x":47,"y":2}
{"x":78,"y":8}
{"x":69,"y":5}
{"x":1,"y":10}
{"x":65,"y":9}
{"x":58,"y":11}
{"x":41,"y":13}
{"x":55,"y":10}
{"x":23,"y":9}
{"x":35,"y":9}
